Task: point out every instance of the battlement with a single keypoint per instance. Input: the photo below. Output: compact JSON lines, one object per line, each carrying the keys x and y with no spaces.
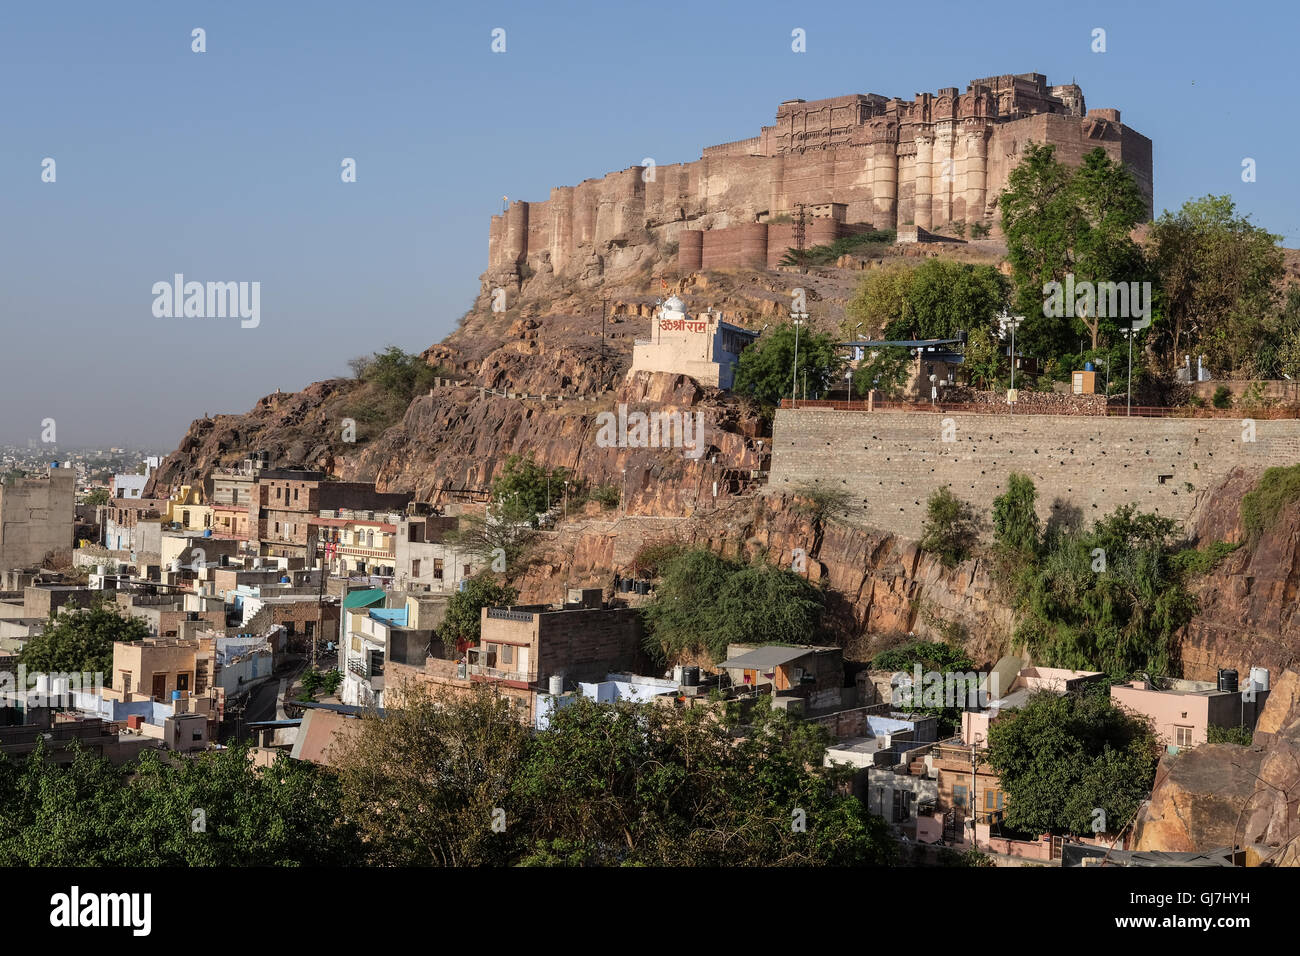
{"x":927,"y":162}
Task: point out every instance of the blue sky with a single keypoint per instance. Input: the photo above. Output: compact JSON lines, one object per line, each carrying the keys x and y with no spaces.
{"x":225,"y":165}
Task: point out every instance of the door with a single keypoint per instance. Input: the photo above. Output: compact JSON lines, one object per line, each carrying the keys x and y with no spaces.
{"x":159,"y":686}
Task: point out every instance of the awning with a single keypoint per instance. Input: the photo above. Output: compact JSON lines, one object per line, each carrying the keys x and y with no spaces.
{"x":363,"y":598}
{"x":766,"y":658}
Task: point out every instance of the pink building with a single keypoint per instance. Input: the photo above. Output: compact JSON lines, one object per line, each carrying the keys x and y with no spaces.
{"x":1026,"y":681}
{"x":1183,"y":714}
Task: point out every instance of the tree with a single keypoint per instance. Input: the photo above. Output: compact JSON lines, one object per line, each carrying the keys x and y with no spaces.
{"x":526,"y":489}
{"x":887,"y":368}
{"x":934,"y":300}
{"x":1218,"y":275}
{"x":950,"y":528}
{"x":80,"y":640}
{"x":1015,"y":521}
{"x":982,"y":358}
{"x":96,"y":497}
{"x":1111,"y":599}
{"x":500,"y":538}
{"x":464,"y":618}
{"x":1061,"y":221}
{"x":705,"y":602}
{"x":635,"y":784}
{"x":1062,"y":757}
{"x":880,"y":298}
{"x":946,"y":297}
{"x":424,"y":781}
{"x":213,"y":809}
{"x":767,"y":372}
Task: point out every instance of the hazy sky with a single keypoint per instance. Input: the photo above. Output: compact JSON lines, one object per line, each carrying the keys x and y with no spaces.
{"x":225,"y":165}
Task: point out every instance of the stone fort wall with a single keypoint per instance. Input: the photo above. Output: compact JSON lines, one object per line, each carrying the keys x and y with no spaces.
{"x":936,"y":159}
{"x":890,"y":462}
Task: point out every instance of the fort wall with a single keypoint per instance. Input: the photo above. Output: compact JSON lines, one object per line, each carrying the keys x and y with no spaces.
{"x":937,"y":159}
{"x":890,"y":462}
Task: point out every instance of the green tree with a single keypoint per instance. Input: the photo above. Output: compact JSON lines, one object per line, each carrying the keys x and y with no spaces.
{"x":982,"y":359}
{"x":1060,"y":221}
{"x":90,"y":813}
{"x":1015,"y":520}
{"x":424,"y":780}
{"x":705,"y":602}
{"x":950,"y":528}
{"x":627,"y":784}
{"x":80,"y":640}
{"x":463,"y":622}
{"x":525,"y":489}
{"x":1218,"y":275}
{"x":766,"y":371}
{"x":1111,"y":599}
{"x":887,"y":368}
{"x":96,"y":496}
{"x":1062,"y":756}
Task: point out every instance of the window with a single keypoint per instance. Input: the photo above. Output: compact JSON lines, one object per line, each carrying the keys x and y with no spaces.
{"x":437,"y":569}
{"x":507,"y":654}
{"x":465,"y":572}
{"x":415,"y":568}
{"x":959,"y":795}
{"x":295,"y":494}
{"x":1183,"y":736}
{"x":992,"y":799}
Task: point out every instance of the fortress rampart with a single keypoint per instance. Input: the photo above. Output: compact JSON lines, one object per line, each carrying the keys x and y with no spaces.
{"x":937,"y":159}
{"x":890,"y":462}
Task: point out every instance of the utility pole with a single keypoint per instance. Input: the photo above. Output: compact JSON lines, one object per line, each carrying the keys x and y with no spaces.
{"x":798,"y":318}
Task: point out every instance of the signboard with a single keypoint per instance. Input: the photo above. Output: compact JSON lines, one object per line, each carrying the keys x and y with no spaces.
{"x":1012,"y":395}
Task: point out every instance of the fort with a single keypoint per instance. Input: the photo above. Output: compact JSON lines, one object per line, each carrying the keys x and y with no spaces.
{"x":889,"y":462}
{"x":852,"y":162}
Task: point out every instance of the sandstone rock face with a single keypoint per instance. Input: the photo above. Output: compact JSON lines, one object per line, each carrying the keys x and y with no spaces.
{"x":1222,"y":794}
{"x":1199,"y":798}
{"x":1248,"y":603}
{"x":881,"y":588}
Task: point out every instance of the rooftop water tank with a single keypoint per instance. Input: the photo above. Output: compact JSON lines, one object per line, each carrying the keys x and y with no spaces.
{"x":1259,"y":677}
{"x":1228,"y":680}
{"x":556,"y":685}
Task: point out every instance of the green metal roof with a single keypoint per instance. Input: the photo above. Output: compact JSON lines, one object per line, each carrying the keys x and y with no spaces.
{"x":363,"y":598}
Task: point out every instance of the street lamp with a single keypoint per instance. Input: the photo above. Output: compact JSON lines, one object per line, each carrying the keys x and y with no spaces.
{"x":1013,"y":322}
{"x":1134,"y":328}
{"x":798,"y":318}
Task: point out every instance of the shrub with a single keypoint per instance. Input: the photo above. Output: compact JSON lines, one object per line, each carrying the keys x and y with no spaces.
{"x":1277,"y":488}
{"x":1222,"y":397}
{"x":608,"y":495}
{"x":1229,"y":735}
{"x":950,"y":528}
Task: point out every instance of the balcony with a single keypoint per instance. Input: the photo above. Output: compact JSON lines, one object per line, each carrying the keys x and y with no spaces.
{"x":496,"y":673}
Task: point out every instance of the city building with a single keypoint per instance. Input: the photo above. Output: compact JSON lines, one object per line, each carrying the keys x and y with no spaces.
{"x":1183,"y":712}
{"x":36,"y":517}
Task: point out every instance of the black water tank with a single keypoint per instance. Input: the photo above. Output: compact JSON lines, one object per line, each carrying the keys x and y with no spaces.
{"x":1228,"y":680}
{"x":690,"y":677}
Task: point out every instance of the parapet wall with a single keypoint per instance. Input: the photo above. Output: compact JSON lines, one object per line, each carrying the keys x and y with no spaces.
{"x":890,"y":462}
